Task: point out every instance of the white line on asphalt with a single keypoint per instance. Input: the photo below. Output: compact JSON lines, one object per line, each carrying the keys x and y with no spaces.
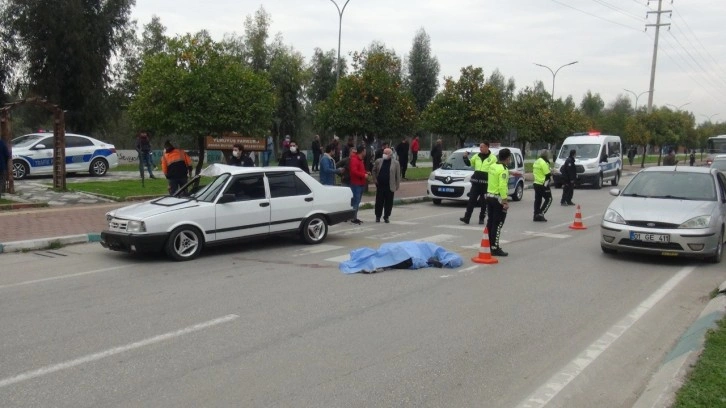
{"x":437,"y":238}
{"x":570,"y":223}
{"x":116,"y":350}
{"x":559,"y":381}
{"x":339,"y":259}
{"x":478,"y":246}
{"x":30,"y":282}
{"x":316,"y":249}
{"x":546,"y":235}
{"x":471,"y":268}
{"x":461,"y":227}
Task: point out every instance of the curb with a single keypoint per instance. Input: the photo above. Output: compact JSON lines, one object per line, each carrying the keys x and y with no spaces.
{"x":668,"y":379}
{"x":46,"y":243}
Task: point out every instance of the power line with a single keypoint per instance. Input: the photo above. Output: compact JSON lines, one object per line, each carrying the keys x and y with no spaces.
{"x":715,"y":63}
{"x":619,"y":10}
{"x":696,"y":62}
{"x":594,"y":15}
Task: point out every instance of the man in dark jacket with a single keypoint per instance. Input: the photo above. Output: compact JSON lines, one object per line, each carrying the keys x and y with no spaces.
{"x":143,"y":148}
{"x":402,"y":153}
{"x":569,"y":176}
{"x":437,"y":152}
{"x":294,"y":158}
{"x":4,"y":160}
{"x":317,"y":151}
{"x":239,"y":157}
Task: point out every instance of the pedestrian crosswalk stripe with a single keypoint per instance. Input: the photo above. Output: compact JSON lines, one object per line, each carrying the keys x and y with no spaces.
{"x":388,"y":235}
{"x":353,"y":231}
{"x":477,"y":246}
{"x":339,"y":259}
{"x":547,"y":235}
{"x":462,"y":227}
{"x":437,"y":238}
{"x":316,"y":249}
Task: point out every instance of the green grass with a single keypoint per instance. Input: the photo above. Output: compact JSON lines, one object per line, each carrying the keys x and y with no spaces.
{"x":123,"y":189}
{"x":4,"y":201}
{"x":705,"y":385}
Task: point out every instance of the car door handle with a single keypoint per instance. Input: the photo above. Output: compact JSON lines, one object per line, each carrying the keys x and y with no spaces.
{"x":308,"y":199}
{"x":264,"y":204}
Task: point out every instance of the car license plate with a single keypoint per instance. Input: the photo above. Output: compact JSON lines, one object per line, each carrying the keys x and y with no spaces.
{"x":642,"y":236}
{"x":446,"y":189}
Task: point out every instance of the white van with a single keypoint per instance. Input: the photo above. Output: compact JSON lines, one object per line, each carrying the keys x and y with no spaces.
{"x":598,"y":159}
{"x":452,"y":181}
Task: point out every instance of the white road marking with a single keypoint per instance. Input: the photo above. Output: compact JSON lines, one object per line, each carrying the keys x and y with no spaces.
{"x":462,"y":227}
{"x":388,"y":235}
{"x":559,"y":381}
{"x":547,"y":235}
{"x":477,"y":246}
{"x":437,"y":238}
{"x":404,"y":223}
{"x":573,"y":220}
{"x":353,"y":231}
{"x":29,"y":375}
{"x":316,"y":249}
{"x":471,"y":268}
{"x":339,"y":259}
{"x":30,"y":282}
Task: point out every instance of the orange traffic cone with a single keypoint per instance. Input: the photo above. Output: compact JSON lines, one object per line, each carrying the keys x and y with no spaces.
{"x":577,"y":224}
{"x":485,"y":254}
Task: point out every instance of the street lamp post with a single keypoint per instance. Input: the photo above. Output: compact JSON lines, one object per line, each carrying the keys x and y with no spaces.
{"x":709,"y":116}
{"x":554,"y":74}
{"x":637,"y":96}
{"x":340,"y":30}
{"x":678,"y":108}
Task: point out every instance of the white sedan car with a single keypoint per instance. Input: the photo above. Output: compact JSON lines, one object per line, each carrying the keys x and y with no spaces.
{"x":235,"y":203}
{"x":33,"y":155}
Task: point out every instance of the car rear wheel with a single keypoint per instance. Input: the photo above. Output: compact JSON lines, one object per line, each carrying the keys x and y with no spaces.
{"x":518,"y":192}
{"x":436,"y":201}
{"x":608,"y":250}
{"x":98,"y":168}
{"x":616,"y":180}
{"x":20,"y":170}
{"x":716,"y":258}
{"x":184,"y":243}
{"x":314,"y":229}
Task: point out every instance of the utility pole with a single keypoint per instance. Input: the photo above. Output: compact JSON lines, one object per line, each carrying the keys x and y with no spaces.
{"x":657,"y":26}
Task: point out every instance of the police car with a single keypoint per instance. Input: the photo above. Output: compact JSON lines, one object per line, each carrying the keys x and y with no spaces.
{"x":452,"y":181}
{"x":33,"y":155}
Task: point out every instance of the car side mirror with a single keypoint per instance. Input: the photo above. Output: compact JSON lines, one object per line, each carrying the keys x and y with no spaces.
{"x":615,"y":192}
{"x":226,"y":198}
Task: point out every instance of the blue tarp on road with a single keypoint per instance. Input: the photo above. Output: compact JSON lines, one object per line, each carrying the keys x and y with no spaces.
{"x":420,"y":253}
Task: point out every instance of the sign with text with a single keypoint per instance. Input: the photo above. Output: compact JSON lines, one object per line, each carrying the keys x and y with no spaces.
{"x":227,"y":140}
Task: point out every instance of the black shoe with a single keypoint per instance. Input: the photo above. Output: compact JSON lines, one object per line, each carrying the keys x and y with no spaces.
{"x":464,"y":220}
{"x":357,"y":221}
{"x":539,"y":218}
{"x":386,"y":220}
{"x":499,"y":252}
{"x":481,"y":221}
{"x":564,"y":204}
{"x":571,"y":203}
{"x":378,"y":219}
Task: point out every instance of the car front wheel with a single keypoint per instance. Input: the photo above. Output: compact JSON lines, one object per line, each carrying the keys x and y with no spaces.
{"x":20,"y":170}
{"x":436,"y":201}
{"x":518,"y":192}
{"x":608,"y":250}
{"x":716,"y":258}
{"x":184,"y":243}
{"x":599,"y":182}
{"x":314,"y":229}
{"x":98,"y":168}
{"x":616,"y":180}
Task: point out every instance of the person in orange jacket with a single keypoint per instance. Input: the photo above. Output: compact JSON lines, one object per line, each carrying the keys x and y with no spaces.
{"x":176,"y":165}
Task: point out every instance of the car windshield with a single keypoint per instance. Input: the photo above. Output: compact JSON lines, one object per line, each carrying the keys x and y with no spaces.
{"x":672,"y":185}
{"x":27,"y":140}
{"x":582,"y":151}
{"x":207,"y":192}
{"x":456,"y":162}
{"x":719,"y":164}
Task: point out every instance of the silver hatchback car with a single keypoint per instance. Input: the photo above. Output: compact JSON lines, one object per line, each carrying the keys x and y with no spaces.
{"x":669,"y":211}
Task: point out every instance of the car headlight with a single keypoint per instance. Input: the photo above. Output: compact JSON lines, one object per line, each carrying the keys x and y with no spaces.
{"x":136,"y":226}
{"x":702,"y":221}
{"x":613,"y":216}
{"x":109,"y":217}
{"x":432,"y":176}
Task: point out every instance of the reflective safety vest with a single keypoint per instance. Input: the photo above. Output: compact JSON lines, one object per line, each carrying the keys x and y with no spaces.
{"x":540,"y":169}
{"x":498,"y":181}
{"x":176,"y":163}
{"x":481,"y":167}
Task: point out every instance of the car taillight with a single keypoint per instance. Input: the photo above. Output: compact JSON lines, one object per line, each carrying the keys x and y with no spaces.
{"x":113,"y":150}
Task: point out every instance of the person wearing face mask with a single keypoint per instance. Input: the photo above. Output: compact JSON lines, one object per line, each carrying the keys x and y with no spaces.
{"x":387,"y":176}
{"x":294,"y":158}
{"x":239,"y":157}
{"x":176,"y":165}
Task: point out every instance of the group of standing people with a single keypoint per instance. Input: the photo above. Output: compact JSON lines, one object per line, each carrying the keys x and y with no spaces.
{"x":490,"y":191}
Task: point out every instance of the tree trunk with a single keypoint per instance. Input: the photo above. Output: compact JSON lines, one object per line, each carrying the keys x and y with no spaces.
{"x":642,"y":160}
{"x":202,"y":154}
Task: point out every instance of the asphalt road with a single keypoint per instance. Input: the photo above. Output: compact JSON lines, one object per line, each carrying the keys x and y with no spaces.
{"x":276,"y":324}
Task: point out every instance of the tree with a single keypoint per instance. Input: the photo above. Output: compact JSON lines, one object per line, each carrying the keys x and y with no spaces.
{"x":287,"y":74}
{"x":592,"y":106}
{"x":371,"y":102}
{"x":467,"y":108}
{"x":423,"y":71}
{"x":193,"y":88}
{"x":256,"y":35}
{"x":322,"y":76}
{"x":69,"y":67}
{"x":612,"y":121}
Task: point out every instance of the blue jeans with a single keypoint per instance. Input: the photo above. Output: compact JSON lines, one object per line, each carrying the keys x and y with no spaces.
{"x":357,"y":195}
{"x":145,"y":159}
{"x":266,"y":155}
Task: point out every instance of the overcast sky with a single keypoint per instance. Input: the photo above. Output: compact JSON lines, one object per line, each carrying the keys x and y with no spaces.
{"x":606,"y":37}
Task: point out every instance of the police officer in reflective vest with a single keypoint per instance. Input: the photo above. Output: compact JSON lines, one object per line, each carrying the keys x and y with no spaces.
{"x":480,"y":163}
{"x":497,"y":197}
{"x":542,"y":179}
